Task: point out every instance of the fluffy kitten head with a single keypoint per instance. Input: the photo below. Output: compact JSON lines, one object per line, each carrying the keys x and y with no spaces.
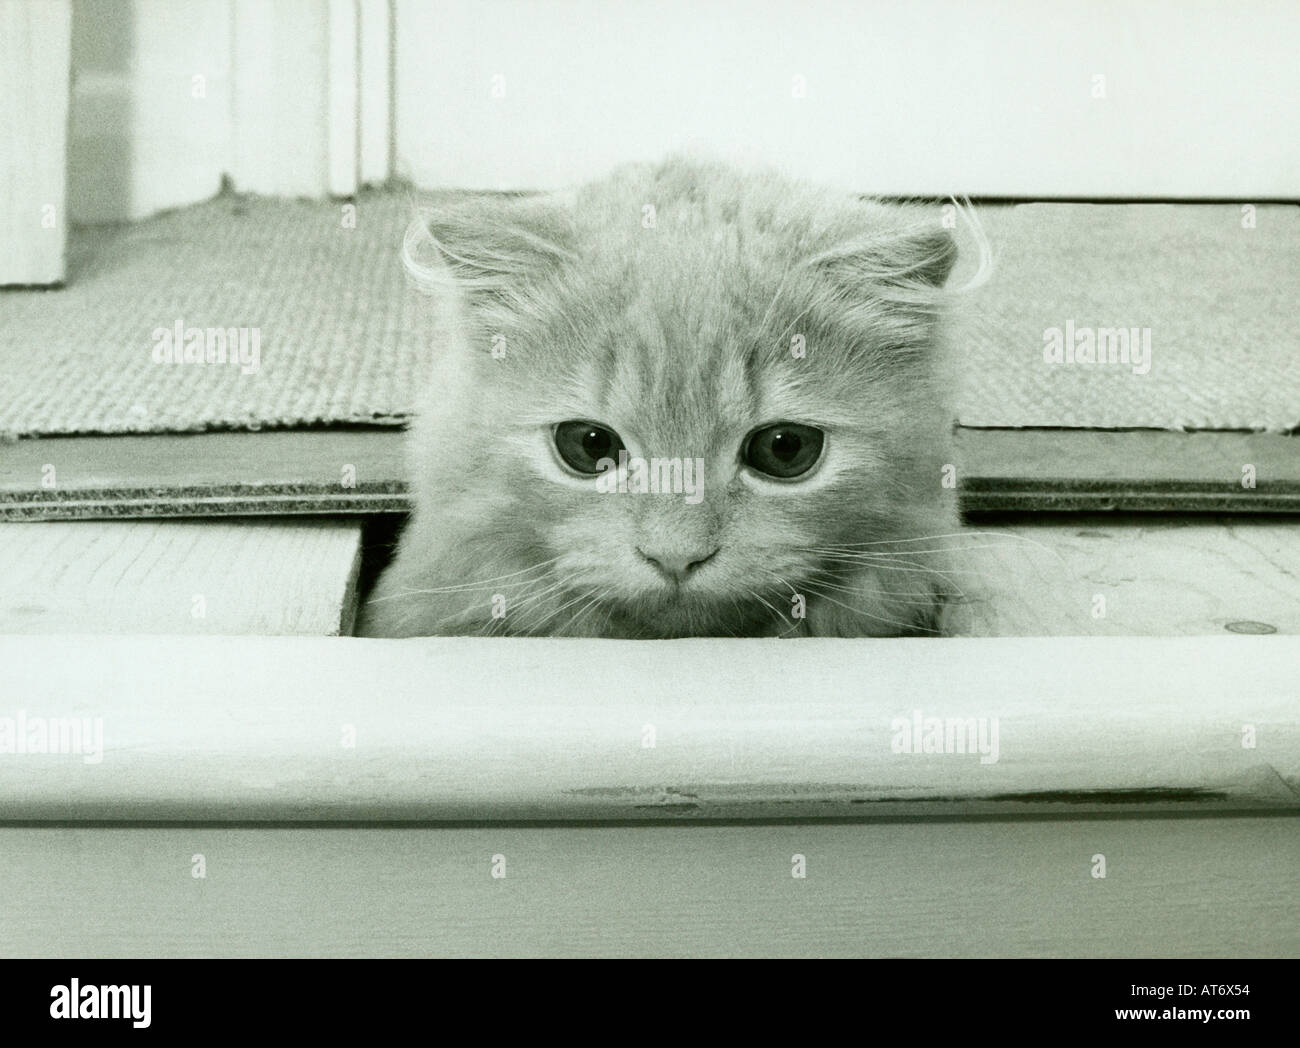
{"x":681,"y":308}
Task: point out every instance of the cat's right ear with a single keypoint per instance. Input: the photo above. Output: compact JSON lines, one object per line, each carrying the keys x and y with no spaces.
{"x":489,"y":244}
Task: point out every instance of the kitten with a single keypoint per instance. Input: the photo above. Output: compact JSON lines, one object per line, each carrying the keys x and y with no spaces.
{"x":773,"y":352}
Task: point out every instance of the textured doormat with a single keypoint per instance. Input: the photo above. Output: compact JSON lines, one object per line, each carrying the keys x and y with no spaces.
{"x":340,"y":335}
{"x":338,"y":329}
{"x":1163,"y":316}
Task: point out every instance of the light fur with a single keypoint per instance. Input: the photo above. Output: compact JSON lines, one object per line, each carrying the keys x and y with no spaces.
{"x":678,"y":335}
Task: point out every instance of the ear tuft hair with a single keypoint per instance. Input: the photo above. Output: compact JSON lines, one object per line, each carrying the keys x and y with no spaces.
{"x":487,"y":244}
{"x":908,"y":265}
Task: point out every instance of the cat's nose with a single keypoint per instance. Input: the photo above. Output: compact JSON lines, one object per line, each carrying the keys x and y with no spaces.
{"x":677,"y":564}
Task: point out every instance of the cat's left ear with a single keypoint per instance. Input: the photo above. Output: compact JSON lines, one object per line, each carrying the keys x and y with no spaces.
{"x":490,"y":243}
{"x":918,"y":257}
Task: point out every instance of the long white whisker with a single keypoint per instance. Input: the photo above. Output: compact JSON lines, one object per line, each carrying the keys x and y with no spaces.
{"x":461,"y":587}
{"x":878,"y":618}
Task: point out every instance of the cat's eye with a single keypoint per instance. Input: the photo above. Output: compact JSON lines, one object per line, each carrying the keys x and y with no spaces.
{"x":785,"y":450}
{"x":583,"y":444}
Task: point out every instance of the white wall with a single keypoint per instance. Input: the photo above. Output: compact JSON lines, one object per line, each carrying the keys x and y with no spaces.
{"x":150,"y":124}
{"x":917,"y":96}
{"x":170,"y":95}
{"x":993,"y":98}
{"x":34,"y":48}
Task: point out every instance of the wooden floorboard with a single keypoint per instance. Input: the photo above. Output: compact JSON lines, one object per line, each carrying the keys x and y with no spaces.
{"x":1071,"y":575}
{"x":1173,"y":888}
{"x":202,"y":577}
{"x":361,"y":470}
{"x":1131,"y":576}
